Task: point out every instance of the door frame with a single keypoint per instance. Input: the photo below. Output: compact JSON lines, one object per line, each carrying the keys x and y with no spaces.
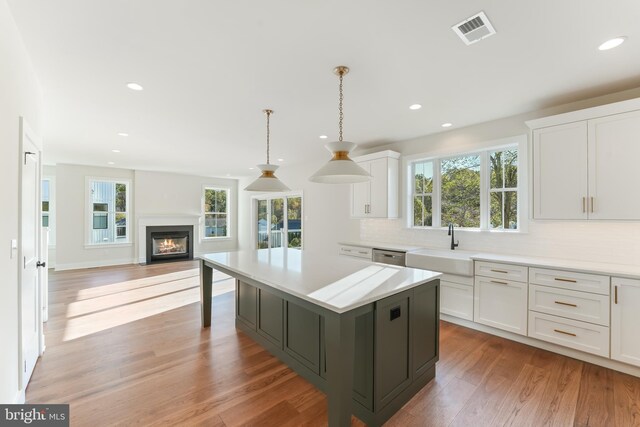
{"x":26,"y":133}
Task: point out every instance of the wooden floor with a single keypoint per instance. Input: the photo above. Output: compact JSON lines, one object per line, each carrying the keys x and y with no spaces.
{"x":124,"y":346}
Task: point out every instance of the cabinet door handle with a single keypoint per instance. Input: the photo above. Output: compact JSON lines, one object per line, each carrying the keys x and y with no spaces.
{"x":592,"y":200}
{"x":498,"y":282}
{"x":584,"y":205}
{"x":566,"y":303}
{"x":500,"y":271}
{"x":615,"y":294}
{"x":560,"y":279}
{"x":563,"y":332}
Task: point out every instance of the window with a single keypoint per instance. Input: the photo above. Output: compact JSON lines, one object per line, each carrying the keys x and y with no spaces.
{"x":108,"y":210}
{"x":476,"y":190}
{"x":423,"y":194}
{"x":46,"y":201}
{"x":216,"y":213}
{"x":503,"y":189}
{"x":48,"y":194}
{"x":279,"y":221}
{"x":460,"y":181}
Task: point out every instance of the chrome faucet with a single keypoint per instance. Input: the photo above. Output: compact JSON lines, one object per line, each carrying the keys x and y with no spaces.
{"x":454,"y":243}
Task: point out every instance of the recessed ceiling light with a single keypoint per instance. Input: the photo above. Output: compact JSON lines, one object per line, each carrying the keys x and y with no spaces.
{"x":447,"y":125}
{"x":111,"y":163}
{"x":610,"y":44}
{"x":415,"y":107}
{"x":323,"y":137}
{"x":123,"y":134}
{"x":115,"y":151}
{"x":281,"y":160}
{"x":134,"y":86}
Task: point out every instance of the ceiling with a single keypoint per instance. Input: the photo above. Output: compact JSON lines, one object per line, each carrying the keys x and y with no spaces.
{"x":209,"y":68}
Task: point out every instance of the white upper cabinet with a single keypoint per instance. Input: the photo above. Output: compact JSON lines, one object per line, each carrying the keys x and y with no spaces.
{"x":584,"y":163}
{"x":377,"y":198}
{"x":614,"y":151}
{"x":560,"y":172}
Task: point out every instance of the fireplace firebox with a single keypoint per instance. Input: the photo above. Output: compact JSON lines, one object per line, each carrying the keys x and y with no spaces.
{"x":169,"y":243}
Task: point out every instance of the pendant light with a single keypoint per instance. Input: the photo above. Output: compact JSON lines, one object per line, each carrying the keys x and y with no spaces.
{"x":267,"y":181}
{"x":340,"y":169}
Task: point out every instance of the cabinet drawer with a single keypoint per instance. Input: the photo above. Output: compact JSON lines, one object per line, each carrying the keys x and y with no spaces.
{"x":456,"y":300}
{"x":570,"y":333}
{"x":570,"y":280}
{"x":575,"y":305}
{"x":501,"y":303}
{"x":355,"y":251}
{"x":502,"y":271}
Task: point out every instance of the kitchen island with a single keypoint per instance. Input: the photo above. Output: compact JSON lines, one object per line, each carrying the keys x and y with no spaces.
{"x":364,"y":333}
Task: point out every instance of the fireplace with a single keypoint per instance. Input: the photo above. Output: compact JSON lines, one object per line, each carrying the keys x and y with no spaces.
{"x":169,"y":243}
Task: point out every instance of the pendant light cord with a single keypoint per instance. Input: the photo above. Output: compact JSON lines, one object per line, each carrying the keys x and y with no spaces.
{"x":268,"y":113}
{"x":340,"y":113}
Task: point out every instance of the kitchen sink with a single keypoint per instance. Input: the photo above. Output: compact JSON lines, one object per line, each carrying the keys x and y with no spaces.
{"x":444,"y":261}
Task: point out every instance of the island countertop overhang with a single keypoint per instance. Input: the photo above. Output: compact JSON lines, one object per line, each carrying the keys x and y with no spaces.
{"x":336,"y":283}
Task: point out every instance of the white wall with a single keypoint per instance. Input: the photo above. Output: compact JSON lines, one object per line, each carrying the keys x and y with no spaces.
{"x":325,"y":209}
{"x":159,"y":193}
{"x":153,"y":194}
{"x":71,"y":251}
{"x":20,"y":95}
{"x":607,"y":241}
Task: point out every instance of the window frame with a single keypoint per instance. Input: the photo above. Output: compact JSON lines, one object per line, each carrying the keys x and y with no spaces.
{"x":118,"y":241}
{"x":203,"y":214}
{"x":523,"y":190}
{"x":285,"y":230}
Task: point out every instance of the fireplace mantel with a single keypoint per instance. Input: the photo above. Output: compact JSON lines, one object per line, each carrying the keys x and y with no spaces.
{"x":159,"y":220}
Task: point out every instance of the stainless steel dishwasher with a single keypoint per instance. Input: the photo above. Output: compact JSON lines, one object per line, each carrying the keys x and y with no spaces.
{"x":389,"y":257}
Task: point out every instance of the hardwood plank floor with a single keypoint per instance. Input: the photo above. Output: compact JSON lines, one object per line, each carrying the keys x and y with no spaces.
{"x":125,"y":347}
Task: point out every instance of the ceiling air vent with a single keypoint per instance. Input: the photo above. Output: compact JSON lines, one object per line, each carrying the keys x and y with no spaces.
{"x":474,"y":29}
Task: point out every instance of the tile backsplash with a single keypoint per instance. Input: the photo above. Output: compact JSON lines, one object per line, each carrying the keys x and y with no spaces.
{"x":611,"y":242}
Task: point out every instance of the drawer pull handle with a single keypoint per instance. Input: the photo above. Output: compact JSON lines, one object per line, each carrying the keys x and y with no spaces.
{"x":500,"y":271}
{"x":566,"y":303}
{"x":363,"y":252}
{"x":498,"y":282}
{"x":560,"y":279}
{"x":563,"y":332}
{"x":615,"y":288}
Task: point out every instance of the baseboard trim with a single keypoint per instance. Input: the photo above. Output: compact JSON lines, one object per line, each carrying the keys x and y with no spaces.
{"x":93,"y":264}
{"x":569,"y":352}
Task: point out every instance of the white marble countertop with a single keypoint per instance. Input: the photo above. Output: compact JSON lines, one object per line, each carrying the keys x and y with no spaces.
{"x":381,"y":245}
{"x":609,"y":269}
{"x":335,"y":282}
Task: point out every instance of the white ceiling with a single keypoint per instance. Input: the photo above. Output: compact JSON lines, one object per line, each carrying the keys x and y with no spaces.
{"x":209,"y":67}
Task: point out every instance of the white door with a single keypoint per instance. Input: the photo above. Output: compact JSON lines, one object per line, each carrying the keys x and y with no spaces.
{"x":614,"y":150}
{"x":625,"y":320}
{"x":30,"y":314}
{"x":378,"y":199}
{"x":360,"y":194}
{"x":560,"y":172}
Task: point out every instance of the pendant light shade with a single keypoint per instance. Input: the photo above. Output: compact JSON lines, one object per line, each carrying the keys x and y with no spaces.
{"x":267,"y":181}
{"x":340,"y":169}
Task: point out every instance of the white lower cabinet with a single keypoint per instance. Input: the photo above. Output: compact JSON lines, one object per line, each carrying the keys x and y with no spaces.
{"x":501,"y":304}
{"x":582,"y":336}
{"x":456,"y":296}
{"x":625,"y":320}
